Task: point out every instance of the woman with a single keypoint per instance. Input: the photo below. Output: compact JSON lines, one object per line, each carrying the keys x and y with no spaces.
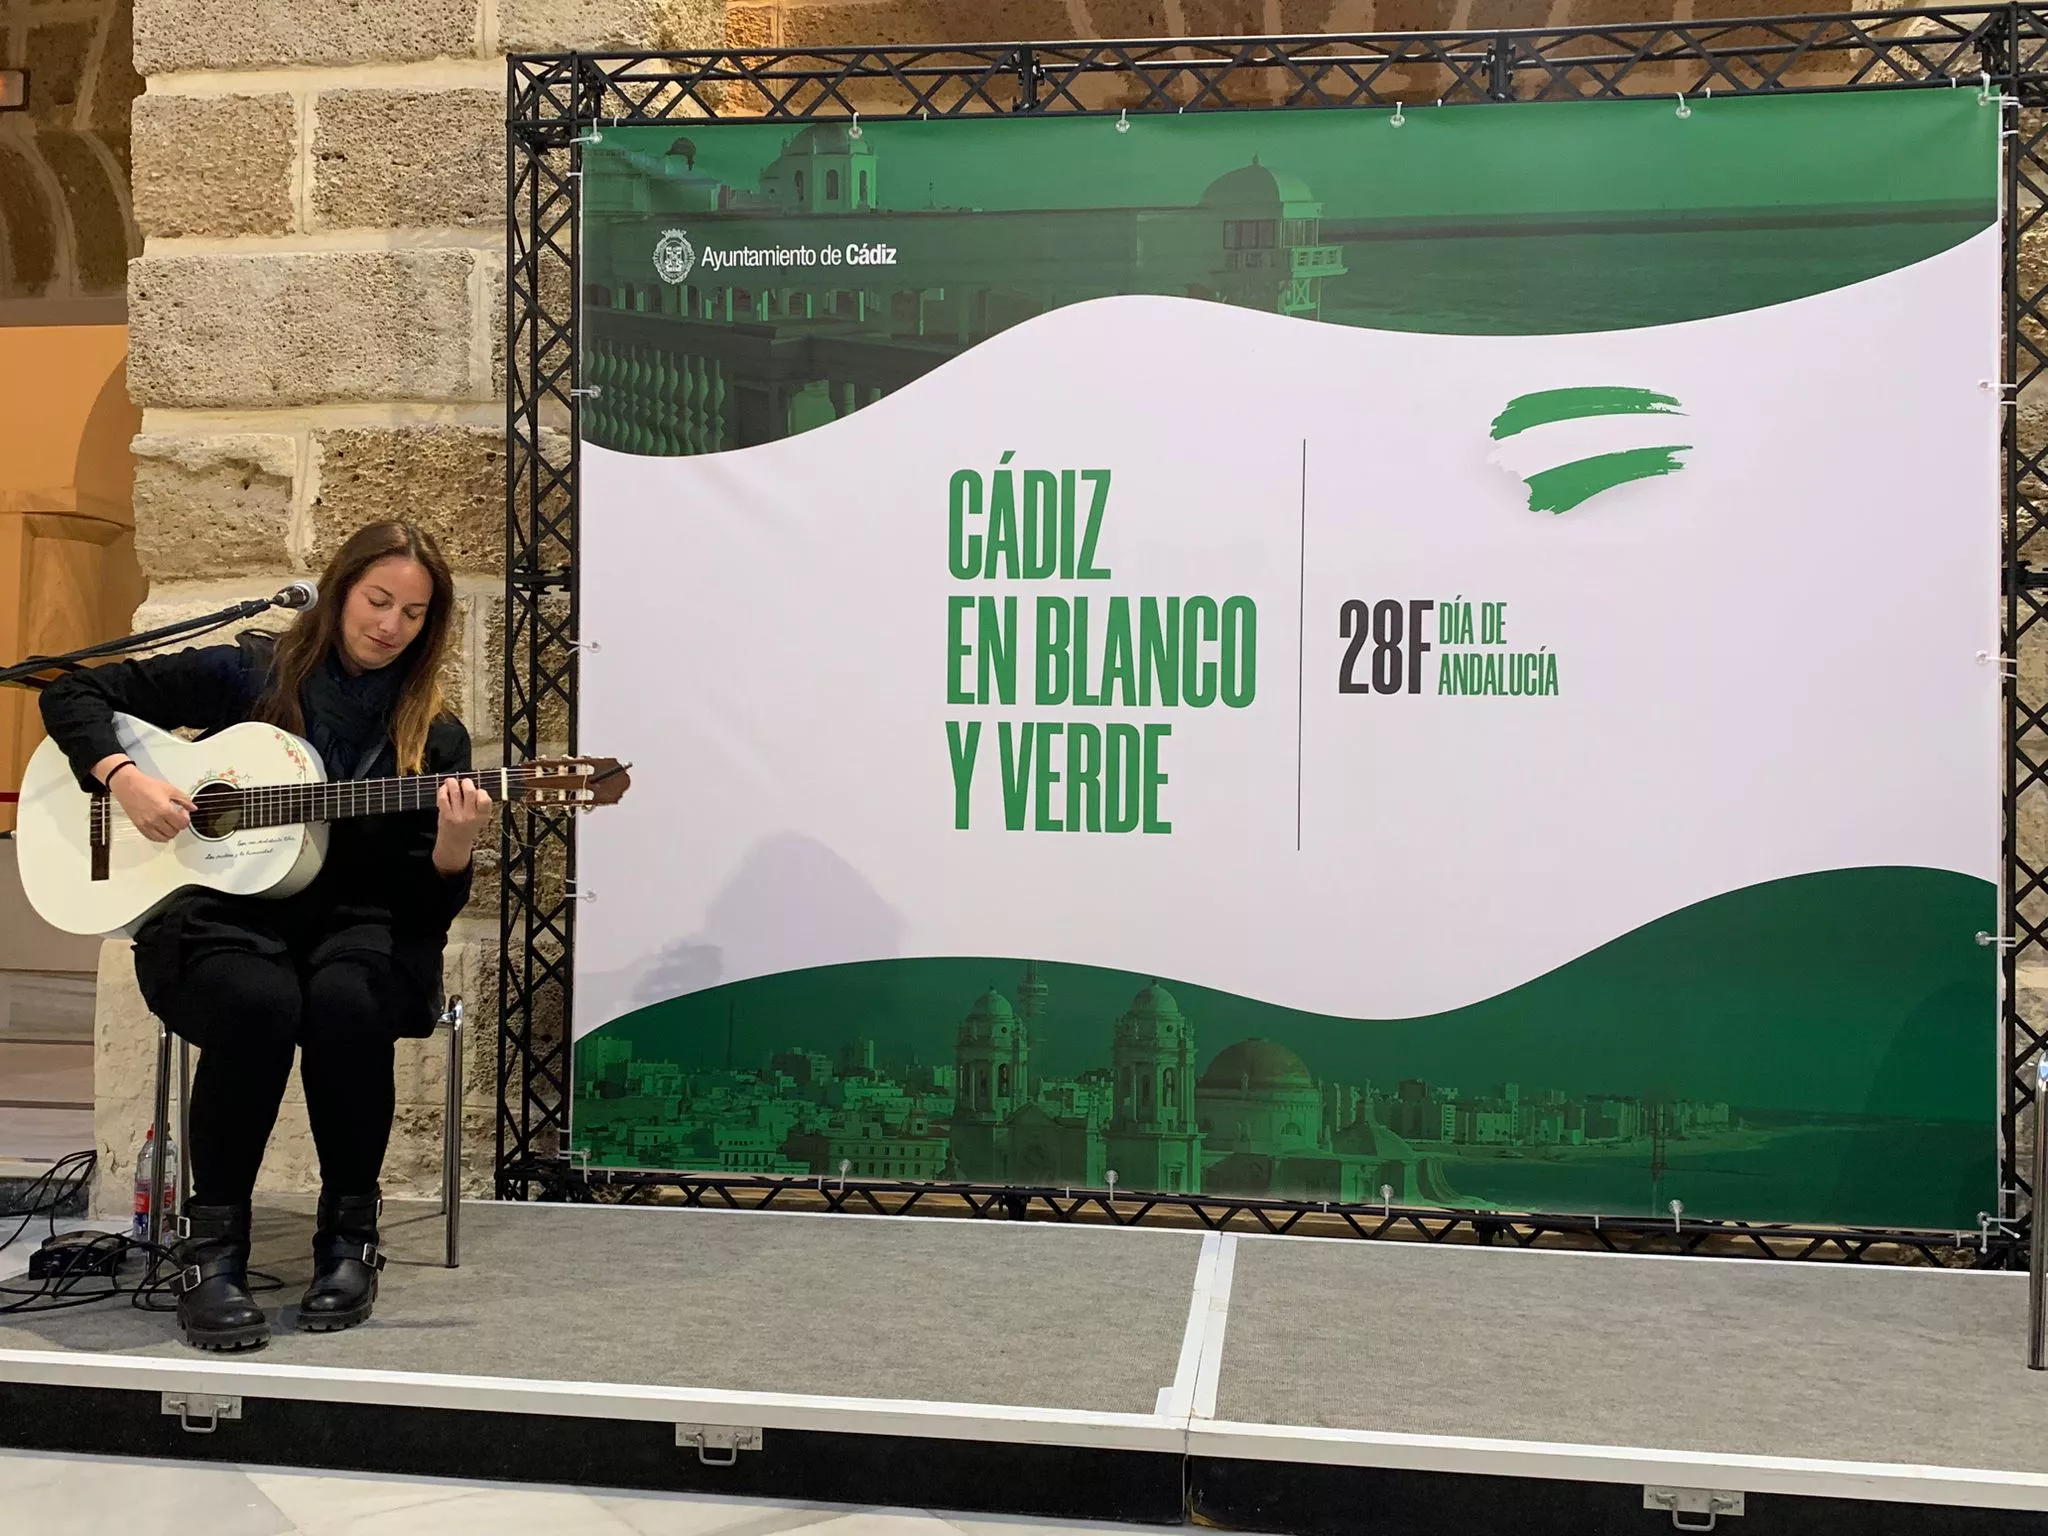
{"x":340,"y":970}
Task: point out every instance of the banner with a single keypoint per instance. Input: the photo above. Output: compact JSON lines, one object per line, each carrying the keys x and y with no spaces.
{"x":1446,"y":658}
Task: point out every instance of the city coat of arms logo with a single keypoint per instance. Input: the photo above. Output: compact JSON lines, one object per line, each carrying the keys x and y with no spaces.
{"x":674,"y":256}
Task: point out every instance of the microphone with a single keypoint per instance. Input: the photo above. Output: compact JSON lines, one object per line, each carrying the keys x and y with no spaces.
{"x":300,"y":594}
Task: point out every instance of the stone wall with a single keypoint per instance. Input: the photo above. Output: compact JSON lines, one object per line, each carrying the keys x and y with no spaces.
{"x":316,"y":342}
{"x":317,"y":322}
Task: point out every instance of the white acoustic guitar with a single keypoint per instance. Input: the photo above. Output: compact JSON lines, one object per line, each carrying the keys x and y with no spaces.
{"x":264,"y":801}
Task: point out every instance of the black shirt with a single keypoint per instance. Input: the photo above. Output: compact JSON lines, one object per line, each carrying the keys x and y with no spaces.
{"x":377,"y":889}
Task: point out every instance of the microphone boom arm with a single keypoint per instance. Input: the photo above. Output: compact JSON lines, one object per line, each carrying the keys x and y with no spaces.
{"x":25,"y":673}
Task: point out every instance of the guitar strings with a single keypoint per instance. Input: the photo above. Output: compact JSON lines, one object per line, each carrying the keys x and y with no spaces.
{"x":279,"y":799}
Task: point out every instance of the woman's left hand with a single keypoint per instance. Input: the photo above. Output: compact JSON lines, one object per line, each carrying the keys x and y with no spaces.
{"x":464,"y":809}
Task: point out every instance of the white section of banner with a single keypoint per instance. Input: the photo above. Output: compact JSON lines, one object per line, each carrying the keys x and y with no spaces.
{"x":1768,"y":662}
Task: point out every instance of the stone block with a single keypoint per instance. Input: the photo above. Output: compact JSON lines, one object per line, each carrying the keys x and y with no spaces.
{"x":239,"y":34}
{"x":212,"y":506}
{"x":448,"y":479}
{"x":385,"y":159}
{"x":472,"y":675}
{"x":214,"y":165}
{"x":123,"y":1077}
{"x":544,"y":26}
{"x":267,"y":330}
{"x":750,"y":27}
{"x":938,"y":21}
{"x":174,"y":605}
{"x":556,"y":300}
{"x":554,"y":713}
{"x":54,"y":54}
{"x":117,"y":84}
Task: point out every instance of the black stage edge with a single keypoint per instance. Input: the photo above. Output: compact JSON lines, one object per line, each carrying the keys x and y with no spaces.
{"x":1310,"y":1500}
{"x":1054,"y":1482}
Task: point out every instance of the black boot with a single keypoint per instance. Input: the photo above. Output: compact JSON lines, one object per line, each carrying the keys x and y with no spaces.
{"x":214,"y":1305}
{"x":345,"y":1263}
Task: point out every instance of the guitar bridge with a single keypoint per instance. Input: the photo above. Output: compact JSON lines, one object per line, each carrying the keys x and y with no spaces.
{"x":102,"y":835}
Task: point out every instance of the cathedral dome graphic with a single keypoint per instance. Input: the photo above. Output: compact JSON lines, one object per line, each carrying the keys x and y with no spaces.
{"x":1153,"y":1017}
{"x":991,"y":1018}
{"x":1257,"y":1096}
{"x":1256,"y":1066}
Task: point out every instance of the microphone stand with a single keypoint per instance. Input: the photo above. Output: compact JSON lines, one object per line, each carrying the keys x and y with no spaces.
{"x":26,"y":673}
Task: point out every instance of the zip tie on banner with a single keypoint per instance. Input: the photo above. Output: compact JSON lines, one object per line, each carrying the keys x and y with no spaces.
{"x":1683,"y":109}
{"x":569,"y":886}
{"x":854,"y":131}
{"x":592,"y":390}
{"x":1984,"y":96}
{"x":2006,"y":664}
{"x":1123,"y":120}
{"x":1397,"y":119}
{"x":1987,"y":940}
{"x":593,"y":647}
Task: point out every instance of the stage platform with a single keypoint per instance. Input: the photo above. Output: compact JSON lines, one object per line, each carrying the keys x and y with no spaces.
{"x":1261,"y":1383}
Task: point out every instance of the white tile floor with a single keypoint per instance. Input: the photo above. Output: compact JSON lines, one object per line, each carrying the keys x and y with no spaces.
{"x":76,"y":1495}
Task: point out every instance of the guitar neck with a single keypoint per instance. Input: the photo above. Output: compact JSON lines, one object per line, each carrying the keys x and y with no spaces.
{"x":280,"y":805}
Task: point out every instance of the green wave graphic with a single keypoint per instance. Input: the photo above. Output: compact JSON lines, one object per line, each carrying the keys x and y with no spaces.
{"x":1545,"y":406}
{"x":1815,"y":1049}
{"x":1553,"y":218}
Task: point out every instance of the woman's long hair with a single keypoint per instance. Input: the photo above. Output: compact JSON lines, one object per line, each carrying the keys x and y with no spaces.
{"x":305,"y":646}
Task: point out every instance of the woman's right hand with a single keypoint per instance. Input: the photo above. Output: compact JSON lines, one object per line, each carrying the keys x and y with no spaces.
{"x":161,"y":810}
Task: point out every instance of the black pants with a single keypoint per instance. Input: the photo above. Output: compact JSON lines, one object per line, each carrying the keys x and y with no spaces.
{"x":257,"y":1009}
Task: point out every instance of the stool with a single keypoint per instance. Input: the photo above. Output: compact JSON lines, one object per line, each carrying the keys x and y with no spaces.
{"x":451,"y":1135}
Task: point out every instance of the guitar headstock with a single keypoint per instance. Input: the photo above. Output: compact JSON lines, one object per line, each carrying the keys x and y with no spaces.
{"x":578,"y":783}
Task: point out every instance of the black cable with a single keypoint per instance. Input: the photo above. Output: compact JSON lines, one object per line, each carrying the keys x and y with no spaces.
{"x":151,"y":1292}
{"x":79,"y":1165}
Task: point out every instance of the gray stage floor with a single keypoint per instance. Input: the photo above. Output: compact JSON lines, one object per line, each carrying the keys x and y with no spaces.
{"x":1811,"y":1360}
{"x":1871,"y":1382}
{"x":832,"y":1307}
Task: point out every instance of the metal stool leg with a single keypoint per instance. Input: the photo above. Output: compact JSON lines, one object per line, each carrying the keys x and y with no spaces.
{"x":163,"y":1132}
{"x":184,"y":1122}
{"x":451,"y":1137}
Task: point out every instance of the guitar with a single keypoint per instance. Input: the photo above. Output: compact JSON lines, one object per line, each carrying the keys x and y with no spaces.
{"x":264,"y":801}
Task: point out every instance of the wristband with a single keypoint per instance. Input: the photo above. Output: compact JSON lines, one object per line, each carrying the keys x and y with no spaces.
{"x":108,"y":782}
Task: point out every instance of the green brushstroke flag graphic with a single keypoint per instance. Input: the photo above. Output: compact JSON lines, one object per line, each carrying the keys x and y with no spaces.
{"x":1559,"y":487}
{"x":1548,"y":405}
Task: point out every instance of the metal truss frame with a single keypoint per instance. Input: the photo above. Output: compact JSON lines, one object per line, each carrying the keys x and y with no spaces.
{"x":557,"y":101}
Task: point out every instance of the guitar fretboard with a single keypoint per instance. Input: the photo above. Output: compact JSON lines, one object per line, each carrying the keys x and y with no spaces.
{"x":279,"y":805}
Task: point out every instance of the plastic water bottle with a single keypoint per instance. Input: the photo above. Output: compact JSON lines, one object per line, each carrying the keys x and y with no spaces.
{"x":145,"y":1180}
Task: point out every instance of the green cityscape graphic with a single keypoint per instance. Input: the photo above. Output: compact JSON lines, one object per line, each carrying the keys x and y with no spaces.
{"x":713,"y":319}
{"x":1817,"y":1048}
{"x":1253,"y":1122}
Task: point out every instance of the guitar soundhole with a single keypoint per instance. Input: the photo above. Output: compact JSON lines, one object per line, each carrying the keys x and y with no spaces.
{"x":220,"y":812}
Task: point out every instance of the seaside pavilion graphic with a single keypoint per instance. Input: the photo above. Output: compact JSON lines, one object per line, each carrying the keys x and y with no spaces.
{"x":733,"y":355}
